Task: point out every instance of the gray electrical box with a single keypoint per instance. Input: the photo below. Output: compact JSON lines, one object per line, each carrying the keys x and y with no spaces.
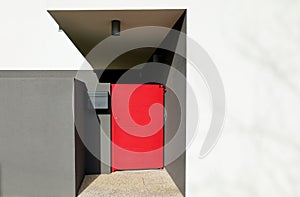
{"x":99,"y":99}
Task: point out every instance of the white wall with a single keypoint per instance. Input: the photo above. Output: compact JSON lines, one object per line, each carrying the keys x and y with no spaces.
{"x":30,"y":40}
{"x":255,"y":45}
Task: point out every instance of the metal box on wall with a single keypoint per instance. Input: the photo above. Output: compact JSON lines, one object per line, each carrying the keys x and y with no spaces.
{"x":99,"y":99}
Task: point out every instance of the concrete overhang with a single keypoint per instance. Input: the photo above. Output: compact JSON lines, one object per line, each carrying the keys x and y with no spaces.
{"x":87,"y":28}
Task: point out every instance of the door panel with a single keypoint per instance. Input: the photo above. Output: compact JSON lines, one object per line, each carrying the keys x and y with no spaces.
{"x":137,"y":126}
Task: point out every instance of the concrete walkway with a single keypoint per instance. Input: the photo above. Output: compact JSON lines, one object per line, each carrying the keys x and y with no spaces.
{"x":129,"y":183}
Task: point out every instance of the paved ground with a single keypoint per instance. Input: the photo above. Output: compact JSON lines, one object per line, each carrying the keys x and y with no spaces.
{"x":129,"y":183}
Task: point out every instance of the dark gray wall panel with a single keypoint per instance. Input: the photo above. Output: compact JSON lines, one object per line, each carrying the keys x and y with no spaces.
{"x":88,"y":127}
{"x":105,"y":143}
{"x":79,"y":160}
{"x":79,"y":104}
{"x":105,"y":121}
{"x":175,"y":151}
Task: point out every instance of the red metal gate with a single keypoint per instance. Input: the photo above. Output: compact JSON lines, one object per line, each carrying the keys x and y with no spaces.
{"x":137,"y":126}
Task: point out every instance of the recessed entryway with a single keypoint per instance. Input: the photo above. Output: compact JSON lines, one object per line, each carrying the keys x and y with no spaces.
{"x":145,"y":51}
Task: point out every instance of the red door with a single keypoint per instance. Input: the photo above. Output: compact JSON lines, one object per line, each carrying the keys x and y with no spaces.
{"x":137,"y":126}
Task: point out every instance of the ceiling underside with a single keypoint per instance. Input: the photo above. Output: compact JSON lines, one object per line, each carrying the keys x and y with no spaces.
{"x":87,"y":28}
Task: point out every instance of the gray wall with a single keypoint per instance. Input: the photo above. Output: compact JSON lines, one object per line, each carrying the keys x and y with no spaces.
{"x":88,"y":127}
{"x":80,"y":150}
{"x":37,"y":136}
{"x":175,"y":115}
{"x":105,"y":144}
{"x":1,"y":193}
{"x":105,"y":133}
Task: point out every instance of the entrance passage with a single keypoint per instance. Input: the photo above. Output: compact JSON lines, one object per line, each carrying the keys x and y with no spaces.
{"x":137,"y":126}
